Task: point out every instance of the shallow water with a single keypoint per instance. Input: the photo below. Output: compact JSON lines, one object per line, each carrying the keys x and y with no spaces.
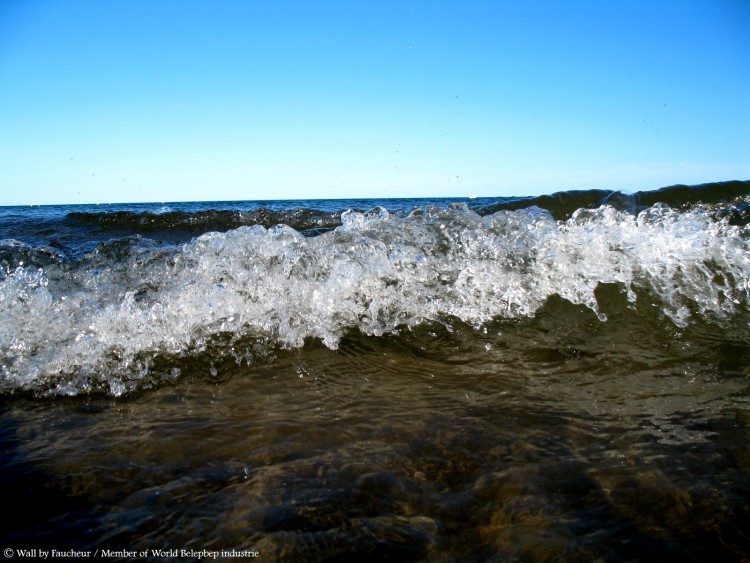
{"x":563,"y":378}
{"x":527,"y":442}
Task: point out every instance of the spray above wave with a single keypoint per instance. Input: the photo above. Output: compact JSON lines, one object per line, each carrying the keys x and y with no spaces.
{"x":126,"y":314}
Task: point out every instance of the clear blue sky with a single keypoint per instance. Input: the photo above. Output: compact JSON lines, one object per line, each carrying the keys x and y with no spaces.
{"x":149,"y":100}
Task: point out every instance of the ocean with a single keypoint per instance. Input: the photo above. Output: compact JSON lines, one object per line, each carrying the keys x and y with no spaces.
{"x":555,"y":378}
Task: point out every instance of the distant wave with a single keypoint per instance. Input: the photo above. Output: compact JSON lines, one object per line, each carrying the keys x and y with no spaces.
{"x":729,"y":198}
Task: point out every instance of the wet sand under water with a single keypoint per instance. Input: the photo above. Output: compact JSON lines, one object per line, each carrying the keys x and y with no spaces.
{"x":526,"y":442}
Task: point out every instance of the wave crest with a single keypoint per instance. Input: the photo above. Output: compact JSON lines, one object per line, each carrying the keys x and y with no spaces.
{"x":115,"y":320}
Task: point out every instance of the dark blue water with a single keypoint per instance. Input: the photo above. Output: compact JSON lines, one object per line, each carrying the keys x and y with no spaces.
{"x":554,"y":378}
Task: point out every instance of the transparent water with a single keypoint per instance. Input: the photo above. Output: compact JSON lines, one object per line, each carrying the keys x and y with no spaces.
{"x":526,"y":443}
{"x":427,"y":384}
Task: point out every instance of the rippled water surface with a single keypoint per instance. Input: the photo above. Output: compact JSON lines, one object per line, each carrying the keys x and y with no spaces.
{"x":541,"y":440}
{"x":562,"y":378}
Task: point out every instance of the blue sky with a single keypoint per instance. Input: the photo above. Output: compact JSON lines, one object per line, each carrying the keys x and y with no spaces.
{"x":127,"y":101}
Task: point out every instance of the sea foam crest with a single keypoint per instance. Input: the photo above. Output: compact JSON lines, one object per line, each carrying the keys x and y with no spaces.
{"x":103,"y":323}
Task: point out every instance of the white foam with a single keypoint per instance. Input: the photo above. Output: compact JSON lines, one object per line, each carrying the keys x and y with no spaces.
{"x":102,"y":324}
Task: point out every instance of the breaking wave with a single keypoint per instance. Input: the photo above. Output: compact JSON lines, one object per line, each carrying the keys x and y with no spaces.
{"x":132,"y":312}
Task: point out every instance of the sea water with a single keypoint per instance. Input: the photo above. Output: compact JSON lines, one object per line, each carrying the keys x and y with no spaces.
{"x":553,"y":378}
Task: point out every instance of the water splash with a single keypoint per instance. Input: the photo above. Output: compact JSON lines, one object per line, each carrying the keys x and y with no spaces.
{"x":118,"y":318}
